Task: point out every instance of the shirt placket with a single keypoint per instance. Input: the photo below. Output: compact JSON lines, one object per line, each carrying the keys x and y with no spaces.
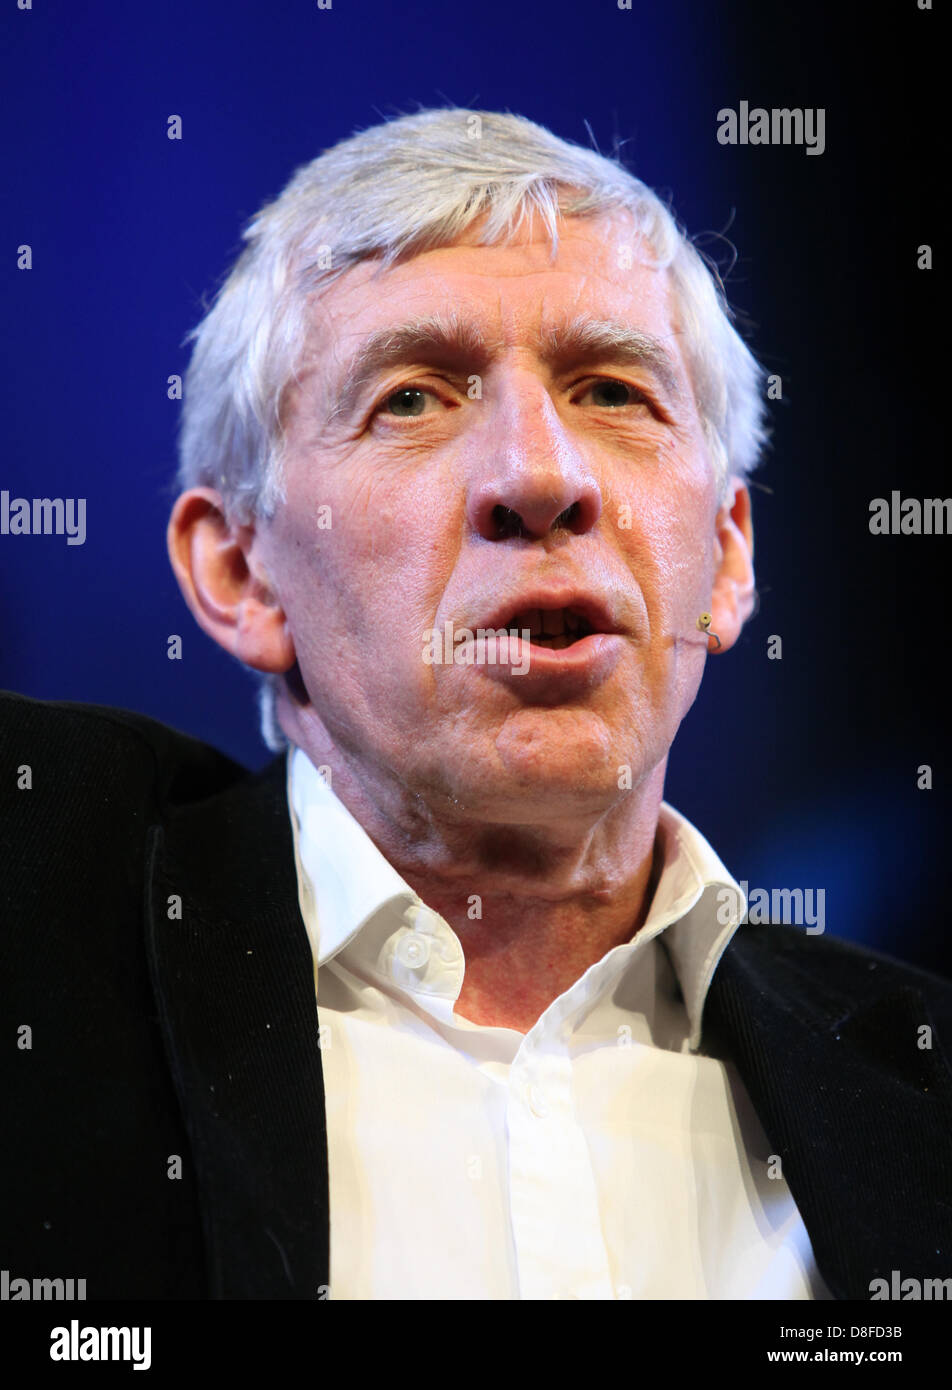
{"x":556,"y":1223}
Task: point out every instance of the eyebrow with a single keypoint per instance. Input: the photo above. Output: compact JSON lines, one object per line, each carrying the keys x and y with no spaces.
{"x":443,"y":339}
{"x":587,"y":340}
{"x":446,"y":339}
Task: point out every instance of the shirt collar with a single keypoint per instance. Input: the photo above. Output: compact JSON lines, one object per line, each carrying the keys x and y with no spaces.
{"x":344,"y":881}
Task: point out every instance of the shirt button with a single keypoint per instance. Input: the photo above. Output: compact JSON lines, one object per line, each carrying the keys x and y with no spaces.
{"x":537,"y":1103}
{"x":413,"y":950}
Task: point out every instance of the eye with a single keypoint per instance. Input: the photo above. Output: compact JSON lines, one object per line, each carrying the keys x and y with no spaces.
{"x":614,"y":394}
{"x":408,"y":401}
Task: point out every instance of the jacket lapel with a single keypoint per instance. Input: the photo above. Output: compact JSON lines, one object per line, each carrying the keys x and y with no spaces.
{"x":859,"y":1112}
{"x":234,"y":981}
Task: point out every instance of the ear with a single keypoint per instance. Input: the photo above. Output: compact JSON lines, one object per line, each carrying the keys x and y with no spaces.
{"x":732,"y":598}
{"x":225,"y":584}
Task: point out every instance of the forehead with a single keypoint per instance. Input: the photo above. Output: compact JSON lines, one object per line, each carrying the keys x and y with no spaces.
{"x":512,"y":290}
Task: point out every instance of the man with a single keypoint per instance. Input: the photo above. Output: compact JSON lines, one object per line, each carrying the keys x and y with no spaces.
{"x":464,"y":453}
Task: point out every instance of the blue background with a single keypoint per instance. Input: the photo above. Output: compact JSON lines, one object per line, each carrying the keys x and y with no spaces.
{"x":802,"y":772}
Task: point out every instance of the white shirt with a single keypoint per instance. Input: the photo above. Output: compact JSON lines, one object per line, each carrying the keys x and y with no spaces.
{"x":598,"y":1156}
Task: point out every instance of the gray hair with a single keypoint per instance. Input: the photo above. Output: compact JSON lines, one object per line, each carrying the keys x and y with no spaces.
{"x":395,"y":190}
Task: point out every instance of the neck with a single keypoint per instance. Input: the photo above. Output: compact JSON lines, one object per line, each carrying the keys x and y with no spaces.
{"x":534,"y":902}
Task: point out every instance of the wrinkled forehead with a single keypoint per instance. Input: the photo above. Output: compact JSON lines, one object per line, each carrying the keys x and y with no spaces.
{"x":520,"y":293}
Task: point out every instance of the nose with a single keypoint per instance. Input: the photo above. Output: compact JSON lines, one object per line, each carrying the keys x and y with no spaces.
{"x":529,"y":477}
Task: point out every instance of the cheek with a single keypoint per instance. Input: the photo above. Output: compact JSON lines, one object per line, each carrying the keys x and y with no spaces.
{"x":670,"y":552}
{"x":363,"y":590}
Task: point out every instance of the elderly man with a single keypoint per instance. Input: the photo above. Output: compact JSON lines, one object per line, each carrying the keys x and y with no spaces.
{"x":464,"y":452}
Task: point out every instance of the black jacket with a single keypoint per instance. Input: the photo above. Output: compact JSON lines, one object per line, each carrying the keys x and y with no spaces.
{"x":166,"y":1040}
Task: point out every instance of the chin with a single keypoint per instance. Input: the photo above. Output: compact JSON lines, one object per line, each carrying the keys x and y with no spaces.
{"x":571,"y":751}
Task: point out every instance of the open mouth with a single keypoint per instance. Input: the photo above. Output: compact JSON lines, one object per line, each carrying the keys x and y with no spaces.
{"x":554,"y":628}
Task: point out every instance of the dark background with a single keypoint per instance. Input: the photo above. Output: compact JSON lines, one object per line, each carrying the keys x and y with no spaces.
{"x":802,"y":772}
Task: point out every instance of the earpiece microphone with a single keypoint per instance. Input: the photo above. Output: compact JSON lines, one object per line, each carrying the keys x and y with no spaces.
{"x":704,"y":624}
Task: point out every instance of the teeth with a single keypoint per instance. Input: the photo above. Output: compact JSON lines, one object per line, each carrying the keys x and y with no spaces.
{"x":555,"y":628}
{"x":531,"y":618}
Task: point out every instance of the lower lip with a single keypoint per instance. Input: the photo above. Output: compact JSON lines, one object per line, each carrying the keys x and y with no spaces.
{"x":585,"y":663}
